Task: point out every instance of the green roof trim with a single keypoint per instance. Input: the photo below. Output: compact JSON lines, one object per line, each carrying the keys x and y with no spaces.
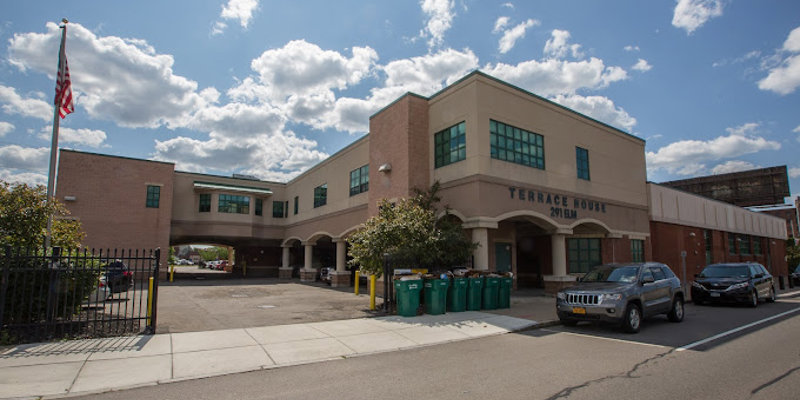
{"x":231,"y":188}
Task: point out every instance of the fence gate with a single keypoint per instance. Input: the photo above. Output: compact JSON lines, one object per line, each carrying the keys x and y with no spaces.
{"x":55,"y":294}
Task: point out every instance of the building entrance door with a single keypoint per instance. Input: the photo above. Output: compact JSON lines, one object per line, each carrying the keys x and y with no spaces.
{"x":502,"y":256}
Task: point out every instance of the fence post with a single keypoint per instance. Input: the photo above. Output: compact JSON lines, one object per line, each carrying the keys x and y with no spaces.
{"x":53,"y":272}
{"x":154,"y":315}
{"x":4,"y":284}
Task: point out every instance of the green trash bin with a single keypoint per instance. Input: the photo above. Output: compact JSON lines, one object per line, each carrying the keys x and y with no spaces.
{"x":474,"y":288}
{"x":435,"y":295}
{"x":457,"y":295}
{"x":504,"y":292}
{"x":490,"y":287}
{"x":407,"y":294}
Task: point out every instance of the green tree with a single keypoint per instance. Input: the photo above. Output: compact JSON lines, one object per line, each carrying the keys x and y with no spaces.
{"x":410,"y":235}
{"x":23,"y":218}
{"x":792,"y":254}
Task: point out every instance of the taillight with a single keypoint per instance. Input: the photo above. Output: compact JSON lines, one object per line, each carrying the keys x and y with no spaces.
{"x":128,"y":274}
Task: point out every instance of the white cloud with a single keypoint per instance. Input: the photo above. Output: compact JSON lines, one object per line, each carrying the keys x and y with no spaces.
{"x":749,"y":127}
{"x":122,"y":80}
{"x":558,"y":45}
{"x":733,"y":166}
{"x":500,"y":24}
{"x":692,"y":14}
{"x":784,"y":77}
{"x":553,"y":77}
{"x":439,"y":15}
{"x":5,"y":127}
{"x":30,"y":178}
{"x":600,"y":108}
{"x":218,"y":28}
{"x":87,"y":137}
{"x":510,"y":36}
{"x":15,"y":104}
{"x":686,"y":157}
{"x":796,"y":129}
{"x":631,"y":48}
{"x":25,"y":158}
{"x":508,"y":5}
{"x":642,"y":65}
{"x":794,"y":172}
{"x":240,"y":9}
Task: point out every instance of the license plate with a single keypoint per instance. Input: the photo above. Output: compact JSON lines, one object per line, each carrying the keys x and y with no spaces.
{"x":578,"y":310}
{"x":714,"y":294}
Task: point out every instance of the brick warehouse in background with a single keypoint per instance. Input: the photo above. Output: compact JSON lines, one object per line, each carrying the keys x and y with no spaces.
{"x":545,"y":191}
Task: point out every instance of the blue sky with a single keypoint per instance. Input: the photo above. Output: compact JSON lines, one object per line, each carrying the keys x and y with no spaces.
{"x":270,"y":88}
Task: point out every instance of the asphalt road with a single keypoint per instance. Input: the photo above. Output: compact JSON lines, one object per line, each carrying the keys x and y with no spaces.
{"x":699,"y":358}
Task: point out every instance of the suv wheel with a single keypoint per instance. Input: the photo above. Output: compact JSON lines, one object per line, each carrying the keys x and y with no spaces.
{"x":772,"y":296}
{"x":633,"y":319}
{"x":754,"y":299}
{"x":676,"y":313}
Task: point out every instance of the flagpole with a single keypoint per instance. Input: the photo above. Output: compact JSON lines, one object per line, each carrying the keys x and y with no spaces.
{"x":51,"y":176}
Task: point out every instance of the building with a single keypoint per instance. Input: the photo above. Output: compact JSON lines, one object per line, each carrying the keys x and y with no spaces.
{"x":756,"y":187}
{"x":543,"y":190}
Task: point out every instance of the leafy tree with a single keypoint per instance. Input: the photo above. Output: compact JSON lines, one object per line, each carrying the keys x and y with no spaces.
{"x":792,"y":254}
{"x":23,"y":218}
{"x":410,"y":235}
{"x":213,"y":253}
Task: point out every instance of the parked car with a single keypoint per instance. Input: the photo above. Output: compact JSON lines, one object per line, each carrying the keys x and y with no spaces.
{"x":622,"y":294}
{"x":733,"y":282}
{"x":325,"y":274}
{"x":117,"y":276}
{"x":795,"y":276}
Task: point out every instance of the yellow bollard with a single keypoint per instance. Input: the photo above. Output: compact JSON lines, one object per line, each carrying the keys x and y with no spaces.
{"x":150,"y":301}
{"x":356,"y":283}
{"x":171,"y":272}
{"x":372,"y":292}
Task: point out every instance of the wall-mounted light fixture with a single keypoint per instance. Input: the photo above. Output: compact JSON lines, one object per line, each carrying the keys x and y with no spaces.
{"x":692,"y":234}
{"x":69,"y":198}
{"x":385,"y":168}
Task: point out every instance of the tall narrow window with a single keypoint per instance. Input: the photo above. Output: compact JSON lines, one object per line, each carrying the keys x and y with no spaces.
{"x":582,"y":161}
{"x":320,"y":195}
{"x":296,"y":204}
{"x":757,"y":246}
{"x":153,"y":195}
{"x":205,"y":202}
{"x":516,"y":145}
{"x":277,"y":209}
{"x":731,"y":243}
{"x":450,"y":145}
{"x":359,"y":180}
{"x":744,"y":244}
{"x":637,"y":250}
{"x":709,"y":239}
{"x":259,"y":206}
{"x":583,"y":254}
{"x":234,"y":204}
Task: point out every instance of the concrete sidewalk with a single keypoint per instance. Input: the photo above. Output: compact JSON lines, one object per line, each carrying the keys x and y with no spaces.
{"x":87,"y":366}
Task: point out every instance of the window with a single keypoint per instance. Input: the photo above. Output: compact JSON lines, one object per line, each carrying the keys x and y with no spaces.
{"x":233,"y":204}
{"x":153,"y":194}
{"x":277,"y":209}
{"x":450,"y":145}
{"x":757,"y":246}
{"x":259,"y":206}
{"x":583,"y":254}
{"x":731,"y":243}
{"x":582,"y":161}
{"x":516,"y":145}
{"x":359,"y":180}
{"x":744,"y":244}
{"x":709,"y":239}
{"x":637,"y":250}
{"x":658,"y":273}
{"x":205,"y":202}
{"x":296,"y":204}
{"x":320,"y":195}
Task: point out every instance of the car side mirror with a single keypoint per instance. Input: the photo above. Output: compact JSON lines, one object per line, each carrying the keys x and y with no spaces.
{"x":648,"y":279}
{"x":759,"y":276}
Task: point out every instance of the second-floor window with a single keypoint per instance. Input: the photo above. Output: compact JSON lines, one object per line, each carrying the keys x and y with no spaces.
{"x":277,"y":209}
{"x":320,"y":195}
{"x":582,"y":162}
{"x":205,"y":202}
{"x":259,"y":206}
{"x":516,"y":145}
{"x":153,"y":196}
{"x":359,"y":180}
{"x":234,"y":204}
{"x":450,"y":145}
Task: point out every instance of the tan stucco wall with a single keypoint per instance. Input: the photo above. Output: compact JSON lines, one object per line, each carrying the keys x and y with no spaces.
{"x":682,"y":208}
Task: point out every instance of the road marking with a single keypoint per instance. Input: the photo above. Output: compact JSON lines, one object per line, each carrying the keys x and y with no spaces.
{"x":608,"y":338}
{"x":732,"y":331}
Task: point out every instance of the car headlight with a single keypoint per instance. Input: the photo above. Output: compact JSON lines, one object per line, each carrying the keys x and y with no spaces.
{"x":697,"y":285}
{"x":608,"y":298}
{"x":561,"y":295}
{"x":738,"y":286}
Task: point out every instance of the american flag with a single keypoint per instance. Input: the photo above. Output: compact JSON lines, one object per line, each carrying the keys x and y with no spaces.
{"x":63,"y":84}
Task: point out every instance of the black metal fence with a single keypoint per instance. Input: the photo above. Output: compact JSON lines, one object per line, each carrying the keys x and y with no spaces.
{"x":55,"y":294}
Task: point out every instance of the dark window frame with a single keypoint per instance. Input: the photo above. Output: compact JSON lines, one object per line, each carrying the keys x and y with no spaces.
{"x":233,"y":204}
{"x":153,"y":197}
{"x":296,"y":204}
{"x":450,"y":145}
{"x":582,"y":163}
{"x":321,"y":195}
{"x":278,"y":210}
{"x":359,"y":180}
{"x":516,"y":145}
{"x":259,"y":207}
{"x":581,"y":257}
{"x":637,"y":250}
{"x":203,"y":205}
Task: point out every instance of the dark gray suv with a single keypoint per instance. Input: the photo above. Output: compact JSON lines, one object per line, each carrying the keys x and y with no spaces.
{"x":623,"y":294}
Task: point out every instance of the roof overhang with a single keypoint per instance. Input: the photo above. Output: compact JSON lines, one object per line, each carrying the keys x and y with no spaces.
{"x":198,"y":185}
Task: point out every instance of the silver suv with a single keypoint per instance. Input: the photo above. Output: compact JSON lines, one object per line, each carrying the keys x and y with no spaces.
{"x":622,"y":294}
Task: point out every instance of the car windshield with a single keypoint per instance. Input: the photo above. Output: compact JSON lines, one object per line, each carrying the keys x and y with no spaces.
{"x":726,"y":271}
{"x":797,"y":270}
{"x":612,"y":274}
